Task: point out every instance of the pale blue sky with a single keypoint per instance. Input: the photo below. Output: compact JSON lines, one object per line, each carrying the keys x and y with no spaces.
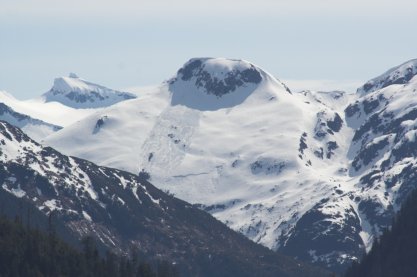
{"x":126,"y":43}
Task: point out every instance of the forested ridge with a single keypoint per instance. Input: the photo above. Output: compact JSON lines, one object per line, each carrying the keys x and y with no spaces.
{"x":395,"y":252}
{"x":25,"y":251}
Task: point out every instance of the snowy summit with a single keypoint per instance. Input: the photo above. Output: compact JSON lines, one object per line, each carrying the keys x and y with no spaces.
{"x":77,"y":93}
{"x":215,"y":83}
{"x":398,"y":75}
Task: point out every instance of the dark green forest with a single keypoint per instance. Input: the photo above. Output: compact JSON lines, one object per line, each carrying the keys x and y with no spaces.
{"x":29,"y":252}
{"x":394,"y":254}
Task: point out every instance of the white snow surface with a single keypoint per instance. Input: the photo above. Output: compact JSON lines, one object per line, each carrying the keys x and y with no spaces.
{"x":35,"y":128}
{"x":51,"y":112}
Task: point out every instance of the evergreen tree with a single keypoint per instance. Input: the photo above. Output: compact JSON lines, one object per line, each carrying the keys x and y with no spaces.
{"x":394,"y":254}
{"x":28,"y":252}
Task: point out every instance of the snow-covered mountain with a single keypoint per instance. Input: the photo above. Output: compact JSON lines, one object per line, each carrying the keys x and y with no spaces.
{"x":75,"y":92}
{"x":383,"y":149}
{"x":36,"y":128}
{"x":227,"y":135}
{"x":122,"y":211}
{"x":397,"y":75}
{"x":316,"y":175}
{"x":69,"y":100}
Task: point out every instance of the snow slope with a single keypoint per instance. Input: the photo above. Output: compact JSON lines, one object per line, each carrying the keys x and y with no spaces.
{"x":51,"y":112}
{"x":36,"y":128}
{"x":122,"y":211}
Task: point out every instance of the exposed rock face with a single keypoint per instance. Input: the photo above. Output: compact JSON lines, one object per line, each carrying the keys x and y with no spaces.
{"x":398,"y":75}
{"x":219,"y":76}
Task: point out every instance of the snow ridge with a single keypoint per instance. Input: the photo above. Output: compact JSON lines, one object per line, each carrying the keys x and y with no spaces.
{"x":36,"y":128}
{"x":75,"y":92}
{"x":397,"y":75}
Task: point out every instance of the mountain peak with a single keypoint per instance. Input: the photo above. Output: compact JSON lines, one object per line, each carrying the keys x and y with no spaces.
{"x":215,"y":83}
{"x":78,"y":93}
{"x":397,"y":75}
{"x":219,"y":76}
{"x":73,"y":75}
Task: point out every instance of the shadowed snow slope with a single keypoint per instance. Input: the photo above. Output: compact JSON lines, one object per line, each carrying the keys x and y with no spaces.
{"x":51,"y":112}
{"x":292,"y":171}
{"x":36,"y":128}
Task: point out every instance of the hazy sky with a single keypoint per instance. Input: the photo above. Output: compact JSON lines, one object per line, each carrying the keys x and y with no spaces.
{"x":314,"y":44}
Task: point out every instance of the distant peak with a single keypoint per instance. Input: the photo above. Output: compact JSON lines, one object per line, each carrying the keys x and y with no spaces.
{"x":75,"y":92}
{"x":395,"y":76}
